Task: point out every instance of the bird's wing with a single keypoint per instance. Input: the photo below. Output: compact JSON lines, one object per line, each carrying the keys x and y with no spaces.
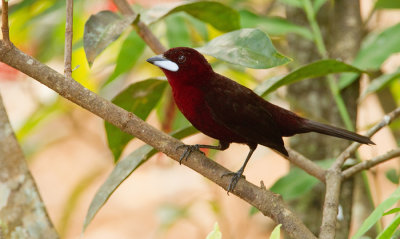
{"x":241,"y":110}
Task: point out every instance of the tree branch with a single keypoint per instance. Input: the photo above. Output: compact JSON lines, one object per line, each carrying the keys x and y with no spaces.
{"x":307,"y":165}
{"x":68,"y":38}
{"x":4,"y":24}
{"x":334,"y":178}
{"x":387,"y":119}
{"x":370,"y":163}
{"x":22,"y":210}
{"x":331,"y":202}
{"x":267,"y":202}
{"x":141,"y":28}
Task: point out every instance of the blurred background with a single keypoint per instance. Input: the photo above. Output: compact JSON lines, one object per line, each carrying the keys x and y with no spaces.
{"x":67,"y":148}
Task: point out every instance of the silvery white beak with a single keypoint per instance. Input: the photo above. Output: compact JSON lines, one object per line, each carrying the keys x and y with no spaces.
{"x":163,"y":62}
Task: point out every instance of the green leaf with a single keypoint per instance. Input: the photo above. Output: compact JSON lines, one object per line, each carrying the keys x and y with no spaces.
{"x":276,"y":233}
{"x":139,"y":98}
{"x":246,"y":47}
{"x":101,"y":30}
{"x":132,"y":48}
{"x":315,"y":69}
{"x":293,"y":185}
{"x":377,"y":213}
{"x":217,"y":14}
{"x":177,"y":32}
{"x":215,"y":233}
{"x":388,"y":4}
{"x":198,"y":26}
{"x":380,"y":83}
{"x":394,"y":210}
{"x":272,"y":25}
{"x":392,"y":175}
{"x":297,"y":182}
{"x":122,"y":170}
{"x":390,"y":229}
{"x":375,"y":49}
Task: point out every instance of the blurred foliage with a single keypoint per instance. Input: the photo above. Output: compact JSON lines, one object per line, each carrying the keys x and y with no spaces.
{"x":37,"y":27}
{"x":377,"y":214}
{"x":276,"y":233}
{"x":297,"y":182}
{"x":215,"y":233}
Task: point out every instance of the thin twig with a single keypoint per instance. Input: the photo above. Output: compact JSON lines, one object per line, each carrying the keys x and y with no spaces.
{"x":4,"y":19}
{"x":68,"y":38}
{"x":370,"y":163}
{"x":307,"y":165}
{"x":267,"y":202}
{"x":141,"y":28}
{"x":270,"y":7}
{"x":369,"y":17}
{"x":387,"y":119}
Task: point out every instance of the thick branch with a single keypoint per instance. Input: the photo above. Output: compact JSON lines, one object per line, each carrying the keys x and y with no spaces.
{"x":267,"y":202}
{"x":68,"y":38}
{"x":307,"y":165}
{"x":331,"y":203}
{"x":370,"y":163}
{"x":22,"y":211}
{"x":4,"y":20}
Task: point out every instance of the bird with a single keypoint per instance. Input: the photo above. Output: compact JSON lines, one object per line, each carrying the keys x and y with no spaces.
{"x":230,"y":112}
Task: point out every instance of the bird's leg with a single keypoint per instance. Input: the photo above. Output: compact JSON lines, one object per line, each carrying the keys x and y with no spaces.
{"x":196,"y":147}
{"x":236,"y":176}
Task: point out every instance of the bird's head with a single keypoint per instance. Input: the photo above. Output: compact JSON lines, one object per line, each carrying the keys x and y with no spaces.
{"x":182,"y":64}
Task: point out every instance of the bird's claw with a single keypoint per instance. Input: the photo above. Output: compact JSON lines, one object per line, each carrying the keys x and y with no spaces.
{"x":188,"y":150}
{"x":235,"y":179}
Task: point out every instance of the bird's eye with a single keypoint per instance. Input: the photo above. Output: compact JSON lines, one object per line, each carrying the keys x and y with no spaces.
{"x":181,"y":59}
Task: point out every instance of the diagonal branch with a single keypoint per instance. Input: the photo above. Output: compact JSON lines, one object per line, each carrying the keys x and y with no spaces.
{"x":370,"y":163}
{"x":141,"y":28}
{"x":307,"y":165}
{"x":267,"y":202}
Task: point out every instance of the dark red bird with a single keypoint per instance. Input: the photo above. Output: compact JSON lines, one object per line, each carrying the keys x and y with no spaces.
{"x":230,"y":112}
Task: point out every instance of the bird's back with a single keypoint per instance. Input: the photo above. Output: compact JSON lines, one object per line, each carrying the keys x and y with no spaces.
{"x":243,"y":112}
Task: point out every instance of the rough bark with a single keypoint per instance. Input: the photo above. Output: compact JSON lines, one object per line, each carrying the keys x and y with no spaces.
{"x":22,"y":211}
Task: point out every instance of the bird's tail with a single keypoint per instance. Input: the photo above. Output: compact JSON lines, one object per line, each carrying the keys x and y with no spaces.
{"x":312,"y":126}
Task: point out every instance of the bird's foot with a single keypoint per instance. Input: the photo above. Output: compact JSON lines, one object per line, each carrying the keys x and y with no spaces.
{"x":235,"y":178}
{"x":188,"y":150}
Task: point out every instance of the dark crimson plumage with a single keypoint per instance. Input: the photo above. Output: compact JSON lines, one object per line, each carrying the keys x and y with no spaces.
{"x":230,"y":112}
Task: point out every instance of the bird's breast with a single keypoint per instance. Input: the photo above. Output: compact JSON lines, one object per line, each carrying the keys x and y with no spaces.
{"x":191,"y":102}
